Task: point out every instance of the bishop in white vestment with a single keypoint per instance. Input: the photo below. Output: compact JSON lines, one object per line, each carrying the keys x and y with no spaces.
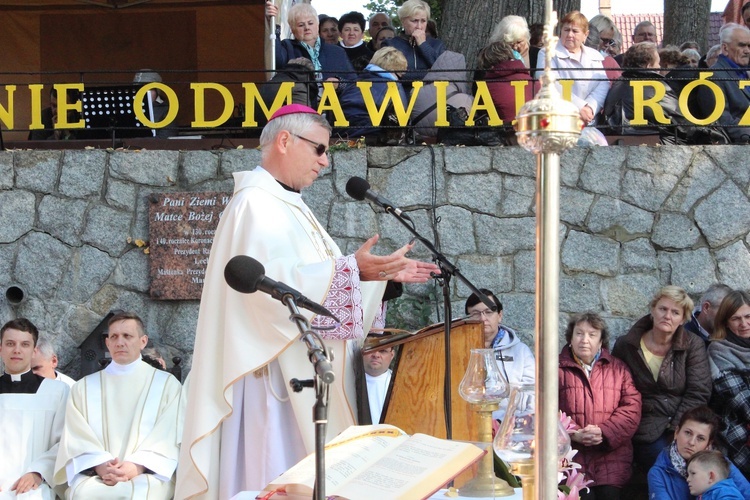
{"x":242,"y":428}
{"x":120,"y":439}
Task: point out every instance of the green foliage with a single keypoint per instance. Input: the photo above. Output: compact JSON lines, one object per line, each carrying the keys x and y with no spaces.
{"x":390,"y":7}
{"x":387,"y":6}
{"x":410,"y":312}
{"x":501,"y":471}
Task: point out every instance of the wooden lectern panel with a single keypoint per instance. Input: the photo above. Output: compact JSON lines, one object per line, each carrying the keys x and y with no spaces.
{"x":415,"y":402}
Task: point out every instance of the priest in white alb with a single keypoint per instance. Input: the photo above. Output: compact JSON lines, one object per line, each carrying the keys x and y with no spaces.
{"x":242,"y":428}
{"x":121,"y":424}
{"x":32,"y":411}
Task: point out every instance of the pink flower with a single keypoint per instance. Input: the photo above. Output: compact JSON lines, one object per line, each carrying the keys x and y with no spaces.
{"x":574,"y":484}
{"x":568,"y":424}
{"x":575,"y":481}
{"x":495,"y":427}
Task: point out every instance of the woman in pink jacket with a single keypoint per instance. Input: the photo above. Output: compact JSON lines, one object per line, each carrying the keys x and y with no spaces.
{"x":598,"y":394}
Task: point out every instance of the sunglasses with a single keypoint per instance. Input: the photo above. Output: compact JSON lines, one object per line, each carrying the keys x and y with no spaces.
{"x":320,"y":149}
{"x":610,"y":42}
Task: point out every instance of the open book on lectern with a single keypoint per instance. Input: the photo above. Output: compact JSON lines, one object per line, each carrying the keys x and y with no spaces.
{"x":373,"y":462}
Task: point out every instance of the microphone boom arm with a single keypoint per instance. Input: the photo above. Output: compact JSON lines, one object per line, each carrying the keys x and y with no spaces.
{"x":320,"y":358}
{"x":316,"y":351}
{"x":448,"y":270}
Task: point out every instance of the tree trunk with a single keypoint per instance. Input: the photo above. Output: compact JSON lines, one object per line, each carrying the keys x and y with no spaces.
{"x":686,"y":20}
{"x":466,"y":26}
{"x":562,"y":7}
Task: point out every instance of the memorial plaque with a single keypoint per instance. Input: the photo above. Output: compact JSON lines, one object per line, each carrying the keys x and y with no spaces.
{"x":181,"y":232}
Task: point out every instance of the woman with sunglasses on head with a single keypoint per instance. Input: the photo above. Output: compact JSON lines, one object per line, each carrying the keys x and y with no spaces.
{"x":611,"y":67}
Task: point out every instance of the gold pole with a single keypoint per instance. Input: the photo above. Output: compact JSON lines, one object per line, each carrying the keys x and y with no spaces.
{"x":547,"y":126}
{"x":548,"y":268}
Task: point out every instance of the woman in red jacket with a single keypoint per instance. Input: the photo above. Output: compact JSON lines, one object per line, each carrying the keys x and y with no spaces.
{"x":598,"y":394}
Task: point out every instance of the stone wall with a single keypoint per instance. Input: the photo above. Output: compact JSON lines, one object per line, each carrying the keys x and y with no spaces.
{"x":632,"y":219}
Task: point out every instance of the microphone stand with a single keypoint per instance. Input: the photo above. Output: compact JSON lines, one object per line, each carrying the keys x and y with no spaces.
{"x":447,"y":271}
{"x":320,"y":358}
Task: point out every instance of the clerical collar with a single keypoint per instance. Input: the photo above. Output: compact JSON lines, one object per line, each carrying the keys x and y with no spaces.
{"x":17,"y":377}
{"x":378,"y":377}
{"x":288,"y":188}
{"x":115,"y":368}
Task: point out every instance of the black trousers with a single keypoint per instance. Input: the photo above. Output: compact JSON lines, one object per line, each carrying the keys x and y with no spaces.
{"x":604,"y":492}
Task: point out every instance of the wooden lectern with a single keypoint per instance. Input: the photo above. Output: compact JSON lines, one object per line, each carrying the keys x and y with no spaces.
{"x":415,"y":398}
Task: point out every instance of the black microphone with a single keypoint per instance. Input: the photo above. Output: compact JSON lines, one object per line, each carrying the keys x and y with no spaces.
{"x":359,"y":189}
{"x":247,"y":275}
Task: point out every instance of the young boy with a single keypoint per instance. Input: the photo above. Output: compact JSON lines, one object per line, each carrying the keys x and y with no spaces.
{"x":708,"y":471}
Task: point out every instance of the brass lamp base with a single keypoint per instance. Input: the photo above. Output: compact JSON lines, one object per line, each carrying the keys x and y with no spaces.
{"x":486,"y":487}
{"x":485,"y":483}
{"x":525,"y":469}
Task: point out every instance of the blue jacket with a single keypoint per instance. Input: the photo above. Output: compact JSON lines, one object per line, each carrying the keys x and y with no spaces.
{"x":419,"y":58}
{"x":695,"y":327}
{"x":723,"y":490}
{"x":727,"y":75}
{"x":353,"y":104}
{"x":665,"y":483}
{"x":333,"y":59}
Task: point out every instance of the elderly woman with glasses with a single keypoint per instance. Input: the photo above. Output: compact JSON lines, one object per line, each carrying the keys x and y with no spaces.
{"x":514,"y":358}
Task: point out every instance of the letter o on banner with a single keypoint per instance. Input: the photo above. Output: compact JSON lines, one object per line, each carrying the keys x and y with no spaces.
{"x":718,"y":94}
{"x":172,"y":100}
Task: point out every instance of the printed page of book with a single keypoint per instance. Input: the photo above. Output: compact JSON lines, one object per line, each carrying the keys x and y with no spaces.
{"x":349,"y":453}
{"x":419,"y":467}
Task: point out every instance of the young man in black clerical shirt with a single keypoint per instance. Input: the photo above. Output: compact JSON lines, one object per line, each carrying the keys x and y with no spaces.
{"x":32,"y":411}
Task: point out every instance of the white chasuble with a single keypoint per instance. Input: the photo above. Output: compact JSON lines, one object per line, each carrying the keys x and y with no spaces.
{"x":242,"y":429}
{"x":31,"y":428}
{"x":129,"y":412}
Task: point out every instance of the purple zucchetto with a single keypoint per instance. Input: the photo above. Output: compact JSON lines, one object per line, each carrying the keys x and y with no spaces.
{"x":291,"y":109}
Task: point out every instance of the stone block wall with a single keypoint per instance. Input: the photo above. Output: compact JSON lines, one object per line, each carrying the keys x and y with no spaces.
{"x":632,"y":219}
